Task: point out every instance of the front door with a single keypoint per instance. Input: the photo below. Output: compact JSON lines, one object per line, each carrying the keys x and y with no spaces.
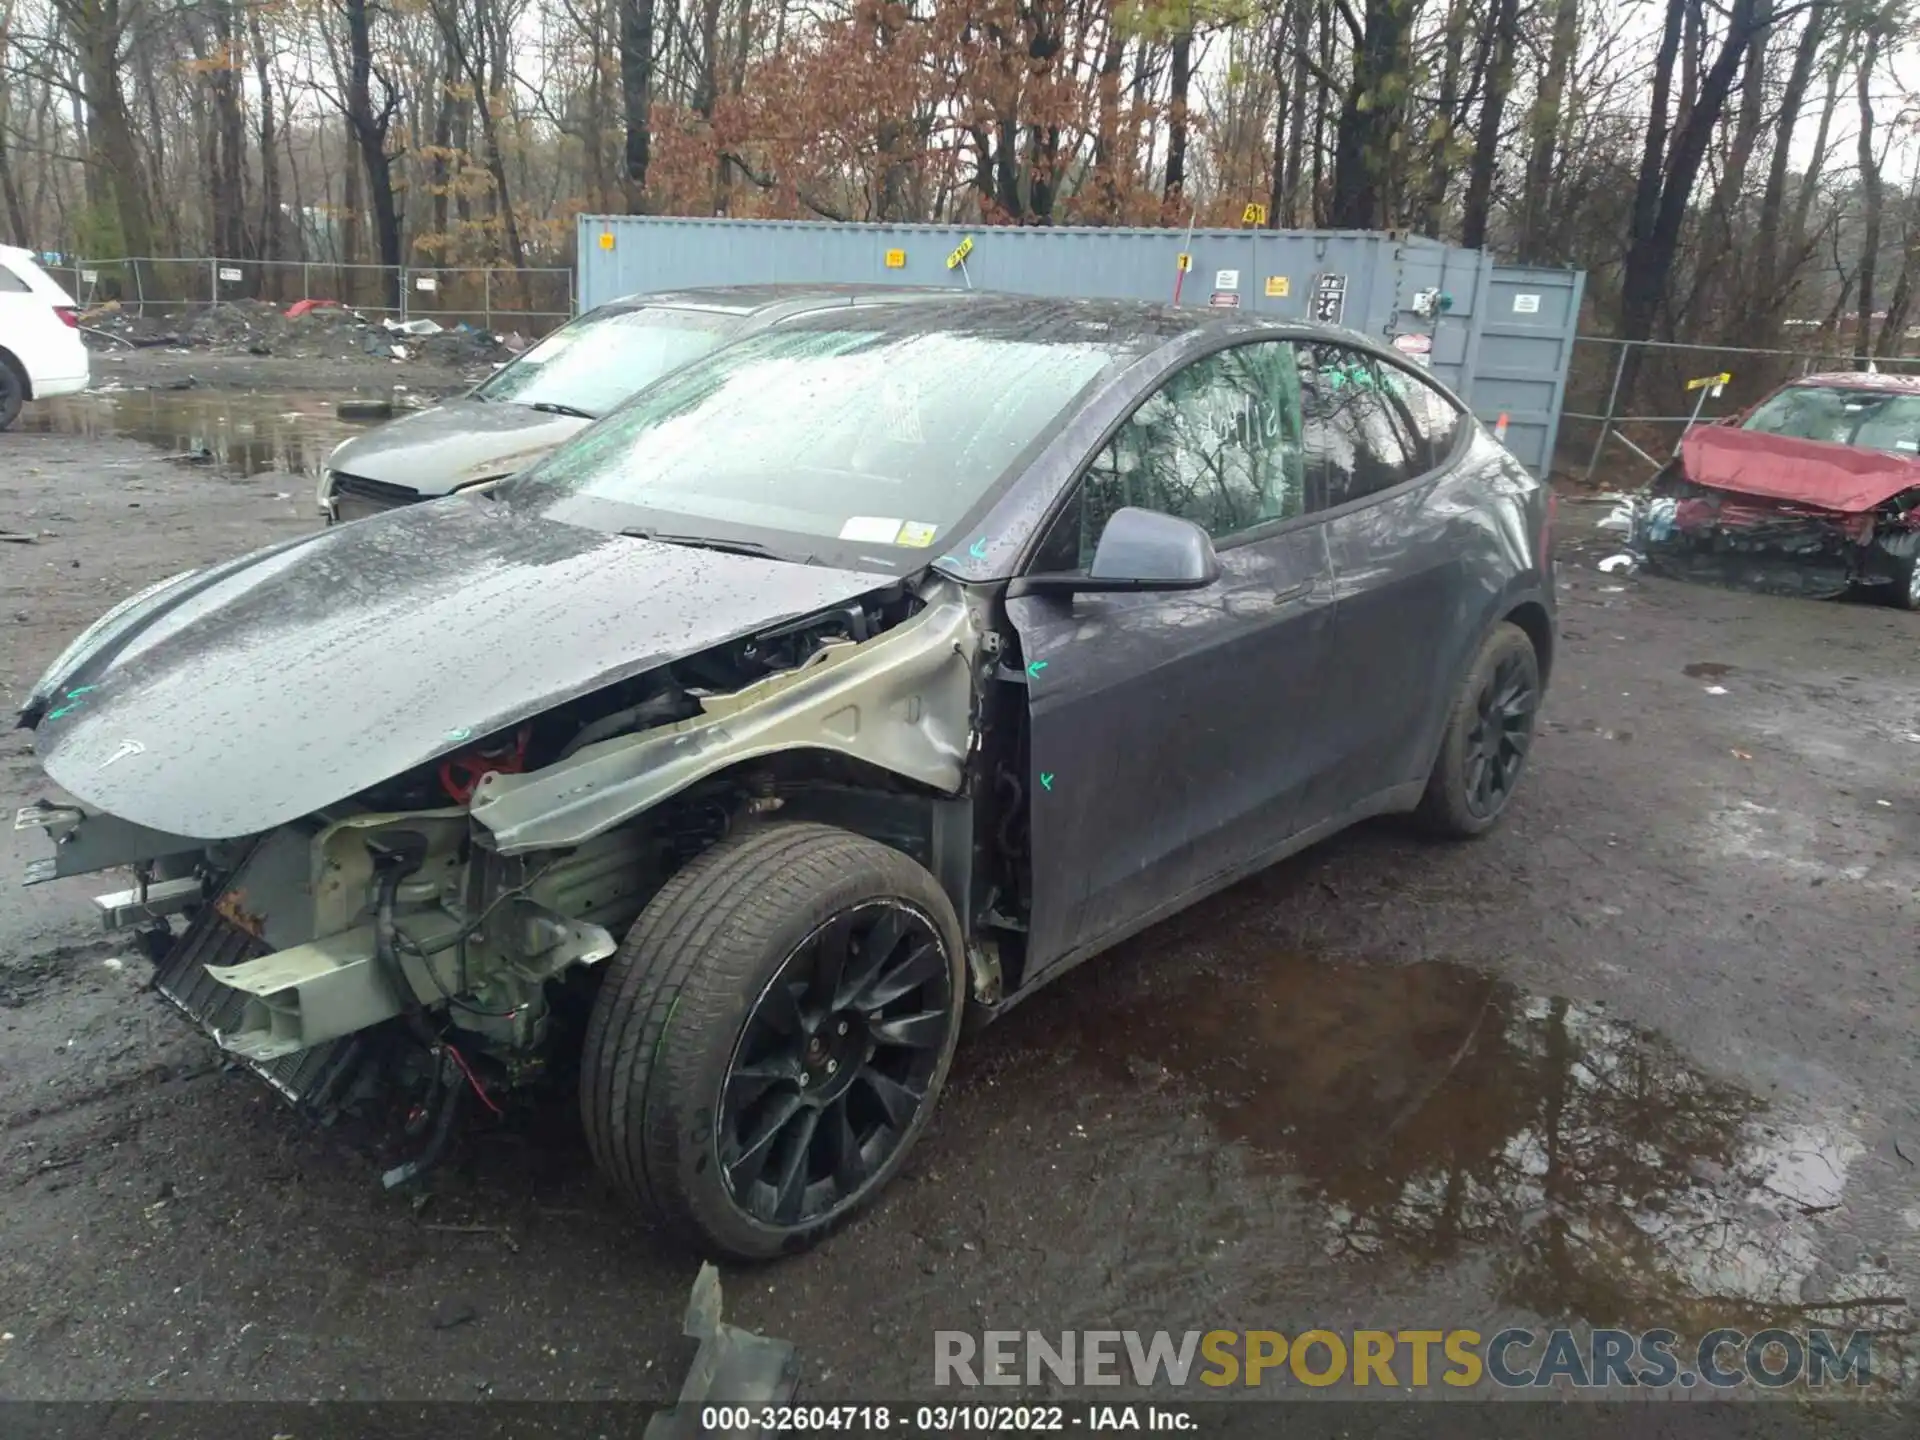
{"x":1174,"y":735}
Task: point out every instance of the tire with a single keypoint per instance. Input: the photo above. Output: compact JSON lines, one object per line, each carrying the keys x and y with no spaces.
{"x":1903,"y":560}
{"x":1504,"y":678}
{"x":13,"y":392}
{"x":668,"y":1089}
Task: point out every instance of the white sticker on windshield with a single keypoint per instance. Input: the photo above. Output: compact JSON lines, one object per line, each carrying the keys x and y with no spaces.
{"x":871,"y":529}
{"x":917,"y":533}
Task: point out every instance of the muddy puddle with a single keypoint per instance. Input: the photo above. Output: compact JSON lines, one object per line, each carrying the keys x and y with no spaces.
{"x":239,"y":434}
{"x":1429,"y":1115}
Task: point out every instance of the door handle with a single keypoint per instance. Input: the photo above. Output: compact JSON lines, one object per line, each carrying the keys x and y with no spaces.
{"x":1293,"y":592}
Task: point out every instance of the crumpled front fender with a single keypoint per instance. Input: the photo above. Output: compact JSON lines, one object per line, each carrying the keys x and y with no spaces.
{"x":902,"y":701}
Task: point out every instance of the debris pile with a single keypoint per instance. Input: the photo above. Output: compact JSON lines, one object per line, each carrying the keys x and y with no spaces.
{"x":306,"y":330}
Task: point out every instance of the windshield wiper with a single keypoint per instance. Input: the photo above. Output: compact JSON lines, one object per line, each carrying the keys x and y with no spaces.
{"x":554,"y":407}
{"x":708,"y":542}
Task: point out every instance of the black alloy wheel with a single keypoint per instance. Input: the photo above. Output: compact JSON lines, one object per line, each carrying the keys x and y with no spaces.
{"x":1489,"y":732}
{"x":834,"y":1063}
{"x":1502,"y":732}
{"x":773,"y":1036}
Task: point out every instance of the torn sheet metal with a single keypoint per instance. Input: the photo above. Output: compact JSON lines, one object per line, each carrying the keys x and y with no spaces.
{"x":900,"y":701}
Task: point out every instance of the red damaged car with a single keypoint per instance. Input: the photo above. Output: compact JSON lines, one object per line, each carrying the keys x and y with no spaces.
{"x":1814,"y":491}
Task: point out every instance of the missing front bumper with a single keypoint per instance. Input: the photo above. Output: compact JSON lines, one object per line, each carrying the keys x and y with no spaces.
{"x":1691,"y":532}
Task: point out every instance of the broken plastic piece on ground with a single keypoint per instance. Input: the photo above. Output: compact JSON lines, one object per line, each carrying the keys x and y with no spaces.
{"x":301,"y":307}
{"x":1716,"y":690}
{"x":733,"y":1367}
{"x":1621,"y":562}
{"x":412,"y":327}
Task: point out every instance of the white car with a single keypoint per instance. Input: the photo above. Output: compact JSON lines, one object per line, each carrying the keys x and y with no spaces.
{"x":41,"y":353}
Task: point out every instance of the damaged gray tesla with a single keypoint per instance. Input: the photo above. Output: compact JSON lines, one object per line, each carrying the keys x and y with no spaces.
{"x":868,"y":672}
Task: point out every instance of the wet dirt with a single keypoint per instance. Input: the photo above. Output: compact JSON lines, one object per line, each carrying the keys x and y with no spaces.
{"x":234,"y":435}
{"x":1643,"y":1055}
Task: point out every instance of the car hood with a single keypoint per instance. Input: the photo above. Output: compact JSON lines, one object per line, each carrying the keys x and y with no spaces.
{"x":1809,"y":472}
{"x":463,"y":441}
{"x":305,"y":674}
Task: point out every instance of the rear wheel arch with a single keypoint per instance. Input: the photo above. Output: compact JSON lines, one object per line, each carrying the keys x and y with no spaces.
{"x":1531,"y":616}
{"x":1529,"y":613}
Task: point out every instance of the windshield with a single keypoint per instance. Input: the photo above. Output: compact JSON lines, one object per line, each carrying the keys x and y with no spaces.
{"x":1866,"y":419}
{"x":604,"y":356}
{"x":872,"y":437}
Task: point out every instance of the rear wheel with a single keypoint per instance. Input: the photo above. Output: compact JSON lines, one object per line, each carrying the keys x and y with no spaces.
{"x":1489,"y":732}
{"x":772,"y":1037}
{"x":13,"y":391}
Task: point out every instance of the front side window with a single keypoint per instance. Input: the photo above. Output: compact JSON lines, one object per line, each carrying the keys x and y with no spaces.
{"x":603,"y":357}
{"x":1358,"y":435}
{"x":1217,"y":444}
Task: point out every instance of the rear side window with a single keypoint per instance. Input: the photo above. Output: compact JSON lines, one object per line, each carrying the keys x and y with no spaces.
{"x":1357,"y":434}
{"x":12,"y":284}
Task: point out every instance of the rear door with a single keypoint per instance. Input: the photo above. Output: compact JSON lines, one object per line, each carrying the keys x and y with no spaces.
{"x":1175,"y":735}
{"x":1400,"y":522}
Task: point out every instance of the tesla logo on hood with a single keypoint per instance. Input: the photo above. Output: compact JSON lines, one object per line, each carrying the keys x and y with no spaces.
{"x":127,"y":747}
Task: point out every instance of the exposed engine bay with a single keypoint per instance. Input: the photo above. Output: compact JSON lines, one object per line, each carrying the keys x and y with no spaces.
{"x":422,"y":930}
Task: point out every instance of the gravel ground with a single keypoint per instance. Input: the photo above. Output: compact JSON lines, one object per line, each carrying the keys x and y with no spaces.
{"x":1645,"y":1055}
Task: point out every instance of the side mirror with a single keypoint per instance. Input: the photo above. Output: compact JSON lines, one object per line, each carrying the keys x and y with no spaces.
{"x":1138,"y":550}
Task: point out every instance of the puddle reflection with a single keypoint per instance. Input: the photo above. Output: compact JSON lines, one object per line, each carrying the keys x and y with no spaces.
{"x":1430,"y":1112}
{"x":245,"y":433}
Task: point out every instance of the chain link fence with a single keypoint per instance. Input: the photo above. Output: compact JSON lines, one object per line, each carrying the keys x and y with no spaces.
{"x":1628,"y":402}
{"x":530,"y":300}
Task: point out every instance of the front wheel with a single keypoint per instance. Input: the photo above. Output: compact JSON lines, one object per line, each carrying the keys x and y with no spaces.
{"x":1903,"y":560}
{"x":1489,"y":732}
{"x":772,"y":1037}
